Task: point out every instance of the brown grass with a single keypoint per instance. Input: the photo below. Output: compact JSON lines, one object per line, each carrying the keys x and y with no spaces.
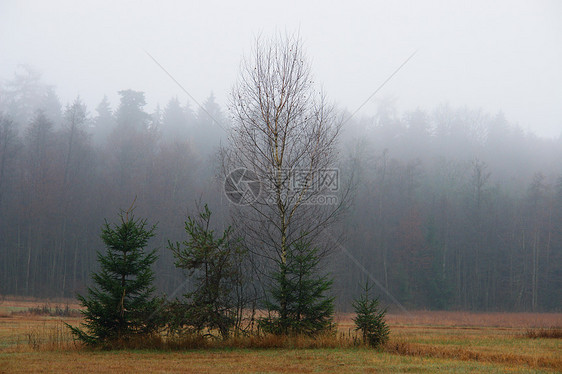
{"x":19,"y":305}
{"x":464,"y":354}
{"x":467,"y":319}
{"x":242,"y":361}
{"x":474,"y":344}
{"x":254,"y":341}
{"x":549,"y":333}
{"x":34,"y":335}
{"x":420,"y":341}
{"x":269,"y":341}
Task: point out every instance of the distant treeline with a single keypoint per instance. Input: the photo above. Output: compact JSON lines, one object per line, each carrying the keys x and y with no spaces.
{"x":453,"y":209}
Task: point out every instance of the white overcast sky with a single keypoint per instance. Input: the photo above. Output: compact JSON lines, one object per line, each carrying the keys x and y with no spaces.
{"x":494,"y":55}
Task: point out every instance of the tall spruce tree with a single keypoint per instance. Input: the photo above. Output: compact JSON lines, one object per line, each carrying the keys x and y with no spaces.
{"x":298,"y":302}
{"x":121,"y":306}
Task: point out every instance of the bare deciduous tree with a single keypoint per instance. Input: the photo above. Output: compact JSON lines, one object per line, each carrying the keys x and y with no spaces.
{"x":284,"y":132}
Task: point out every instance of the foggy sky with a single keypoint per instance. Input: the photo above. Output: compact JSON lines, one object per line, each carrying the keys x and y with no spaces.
{"x":492,"y":55}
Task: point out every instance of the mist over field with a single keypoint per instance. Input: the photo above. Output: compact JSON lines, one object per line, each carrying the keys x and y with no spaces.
{"x":449,"y":151}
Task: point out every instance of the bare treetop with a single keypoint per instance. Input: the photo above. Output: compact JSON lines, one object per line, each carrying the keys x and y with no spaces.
{"x":285,"y":132}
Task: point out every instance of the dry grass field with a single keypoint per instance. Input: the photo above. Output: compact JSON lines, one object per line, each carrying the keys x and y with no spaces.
{"x":421,"y":342}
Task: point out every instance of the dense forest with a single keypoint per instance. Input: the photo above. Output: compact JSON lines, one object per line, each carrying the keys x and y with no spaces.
{"x":452,"y":208}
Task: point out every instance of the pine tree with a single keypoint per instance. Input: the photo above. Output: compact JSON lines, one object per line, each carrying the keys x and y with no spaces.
{"x":121,"y":306}
{"x":212,"y":261}
{"x":298,"y":296}
{"x":370,"y":320}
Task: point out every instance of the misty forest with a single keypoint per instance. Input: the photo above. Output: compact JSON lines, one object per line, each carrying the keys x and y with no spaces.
{"x":452,"y":208}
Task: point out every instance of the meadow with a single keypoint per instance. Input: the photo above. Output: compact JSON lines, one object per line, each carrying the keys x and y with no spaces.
{"x":33,"y":338}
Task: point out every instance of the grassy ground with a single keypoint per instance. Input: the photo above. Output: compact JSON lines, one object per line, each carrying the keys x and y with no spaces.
{"x":422,"y":342}
{"x":243,"y":361}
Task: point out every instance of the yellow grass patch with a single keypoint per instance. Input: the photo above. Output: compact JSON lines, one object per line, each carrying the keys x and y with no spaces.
{"x":420,"y":342}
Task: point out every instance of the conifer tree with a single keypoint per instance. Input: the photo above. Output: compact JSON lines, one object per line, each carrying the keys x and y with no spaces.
{"x":299,"y":302}
{"x":369,"y":319}
{"x":212,"y":260}
{"x":121,"y":306}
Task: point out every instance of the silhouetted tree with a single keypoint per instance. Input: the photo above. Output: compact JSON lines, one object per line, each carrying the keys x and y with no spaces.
{"x":104,"y":122}
{"x":130,"y":112}
{"x":8,"y":146}
{"x":175,"y":126}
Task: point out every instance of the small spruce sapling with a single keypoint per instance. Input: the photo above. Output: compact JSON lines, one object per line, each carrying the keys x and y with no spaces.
{"x":369,"y":319}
